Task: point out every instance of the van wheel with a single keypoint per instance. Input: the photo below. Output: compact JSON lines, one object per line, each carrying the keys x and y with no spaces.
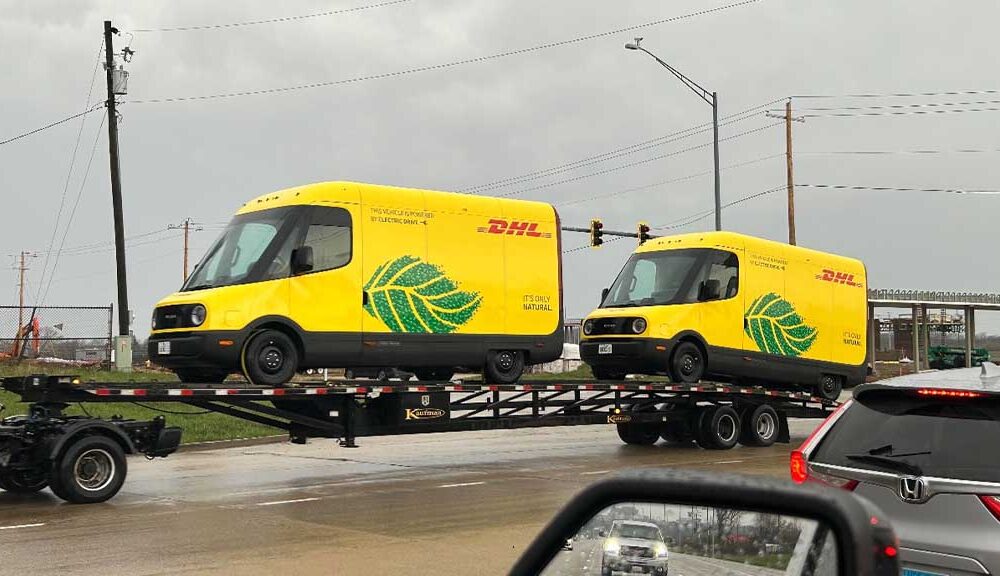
{"x":195,"y":376}
{"x":719,"y":428}
{"x":270,"y":358}
{"x":608,"y":374}
{"x":504,"y":366}
{"x":91,"y":470}
{"x":760,"y":426}
{"x":687,"y":364}
{"x":829,"y":387}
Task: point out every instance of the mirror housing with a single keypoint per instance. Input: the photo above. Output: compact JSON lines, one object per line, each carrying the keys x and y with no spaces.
{"x":604,"y":294}
{"x":863,"y":534}
{"x":302,"y":260}
{"x":709,"y":290}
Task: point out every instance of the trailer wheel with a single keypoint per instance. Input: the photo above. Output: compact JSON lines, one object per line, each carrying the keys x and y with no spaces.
{"x":91,"y":470}
{"x":638,"y":434}
{"x":687,"y":363}
{"x":23,"y":481}
{"x":676,"y":432}
{"x":760,"y":426}
{"x":719,"y":428}
{"x":504,"y":366}
{"x":829,"y":387}
{"x":270,"y":358}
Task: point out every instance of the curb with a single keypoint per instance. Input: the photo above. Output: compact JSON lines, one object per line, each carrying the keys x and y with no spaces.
{"x":235,"y":443}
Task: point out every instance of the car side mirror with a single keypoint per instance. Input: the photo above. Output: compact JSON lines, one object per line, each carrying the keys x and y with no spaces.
{"x":709,"y":290}
{"x":713,"y":519}
{"x":604,"y":294}
{"x":302,"y":259}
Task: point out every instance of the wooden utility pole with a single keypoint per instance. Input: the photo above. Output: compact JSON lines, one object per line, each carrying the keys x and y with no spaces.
{"x":116,"y":181}
{"x":791,"y":181}
{"x":187,"y":226}
{"x":21,"y":268}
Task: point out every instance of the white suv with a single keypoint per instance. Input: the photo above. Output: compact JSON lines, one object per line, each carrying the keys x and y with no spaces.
{"x":633,"y":547}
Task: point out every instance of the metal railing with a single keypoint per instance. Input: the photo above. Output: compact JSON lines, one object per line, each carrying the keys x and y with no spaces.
{"x":933,"y":296}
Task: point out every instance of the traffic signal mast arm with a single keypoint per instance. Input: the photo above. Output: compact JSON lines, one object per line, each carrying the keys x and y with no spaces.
{"x":606,"y":232}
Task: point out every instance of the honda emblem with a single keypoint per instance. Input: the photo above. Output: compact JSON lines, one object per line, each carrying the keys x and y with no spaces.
{"x":911,"y":489}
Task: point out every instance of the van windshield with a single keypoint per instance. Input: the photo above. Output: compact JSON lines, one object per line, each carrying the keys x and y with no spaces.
{"x":253,"y":247}
{"x":673,"y":277}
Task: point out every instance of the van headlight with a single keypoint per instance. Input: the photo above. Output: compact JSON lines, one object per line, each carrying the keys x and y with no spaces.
{"x":198,"y":313}
{"x":639,"y":325}
{"x":588,"y":327}
{"x":153,"y":322}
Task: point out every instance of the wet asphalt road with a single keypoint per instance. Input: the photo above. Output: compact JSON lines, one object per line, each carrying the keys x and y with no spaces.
{"x":457,"y":503}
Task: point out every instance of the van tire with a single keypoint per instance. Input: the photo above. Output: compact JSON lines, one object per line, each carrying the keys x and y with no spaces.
{"x":720,"y":428}
{"x":829,"y":387}
{"x":504,"y":366}
{"x":270,"y":358}
{"x":760,"y":426}
{"x":196,"y":376}
{"x":687,"y":364}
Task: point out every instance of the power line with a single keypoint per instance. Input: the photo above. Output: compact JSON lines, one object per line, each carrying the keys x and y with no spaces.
{"x":967,"y":191}
{"x":899,"y":106}
{"x":270,"y":20}
{"x":69,"y":174}
{"x":619,"y":152}
{"x":899,"y":94}
{"x":639,"y":162}
{"x":52,"y":125}
{"x":671,"y":181}
{"x":900,"y":113}
{"x":453,"y":64}
{"x":898,"y":152}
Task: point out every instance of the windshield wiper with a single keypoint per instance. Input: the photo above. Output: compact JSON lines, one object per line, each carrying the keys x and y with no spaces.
{"x":888,"y":462}
{"x":199,"y":287}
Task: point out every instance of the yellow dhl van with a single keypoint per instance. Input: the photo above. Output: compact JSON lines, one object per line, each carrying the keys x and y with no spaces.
{"x":720,"y":305}
{"x":342,"y":274}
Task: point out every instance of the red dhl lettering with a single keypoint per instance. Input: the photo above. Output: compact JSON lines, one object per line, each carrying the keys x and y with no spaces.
{"x":514,"y":228}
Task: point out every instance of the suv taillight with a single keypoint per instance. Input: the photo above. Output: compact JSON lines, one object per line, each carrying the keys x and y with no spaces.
{"x":799,"y":463}
{"x":799,"y":467}
{"x":992,"y":504}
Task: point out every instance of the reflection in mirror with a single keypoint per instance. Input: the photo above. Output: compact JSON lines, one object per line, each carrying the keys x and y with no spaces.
{"x":685,"y":540}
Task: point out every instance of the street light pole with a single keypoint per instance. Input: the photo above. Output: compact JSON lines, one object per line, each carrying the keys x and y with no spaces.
{"x":712,"y":99}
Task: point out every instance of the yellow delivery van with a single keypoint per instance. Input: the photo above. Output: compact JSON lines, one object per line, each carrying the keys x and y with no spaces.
{"x":342,"y":274}
{"x":720,"y":305}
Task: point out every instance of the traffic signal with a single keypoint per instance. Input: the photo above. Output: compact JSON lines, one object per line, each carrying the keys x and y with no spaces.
{"x":643,"y":232}
{"x":596,"y":233}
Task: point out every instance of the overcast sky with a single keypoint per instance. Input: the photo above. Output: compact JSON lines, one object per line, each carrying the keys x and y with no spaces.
{"x":463,"y":126}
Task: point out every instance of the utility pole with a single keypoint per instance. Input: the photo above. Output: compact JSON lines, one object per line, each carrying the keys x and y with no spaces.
{"x":715,"y":142}
{"x":186,"y":226}
{"x":791,"y":181}
{"x":124,"y":342}
{"x":21,"y":268}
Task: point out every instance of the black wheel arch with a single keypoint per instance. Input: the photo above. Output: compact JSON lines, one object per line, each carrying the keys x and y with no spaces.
{"x":282,"y":324}
{"x":76,"y":430}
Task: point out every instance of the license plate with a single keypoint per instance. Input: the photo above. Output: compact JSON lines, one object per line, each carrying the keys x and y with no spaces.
{"x":912,"y":572}
{"x":604,"y":348}
{"x":163,"y":348}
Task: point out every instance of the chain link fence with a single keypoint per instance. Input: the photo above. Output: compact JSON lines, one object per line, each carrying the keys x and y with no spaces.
{"x":75,"y":333}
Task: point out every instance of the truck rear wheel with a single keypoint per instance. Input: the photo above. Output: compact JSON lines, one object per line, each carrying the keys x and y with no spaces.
{"x":760,"y":426}
{"x":23,"y":481}
{"x":504,"y":366}
{"x":270,"y":358}
{"x":91,"y":470}
{"x":638,"y":434}
{"x":687,"y":364}
{"x":719,"y":428}
{"x":676,"y":432}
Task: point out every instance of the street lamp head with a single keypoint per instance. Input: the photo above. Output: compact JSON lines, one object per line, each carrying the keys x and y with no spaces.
{"x":633,"y":45}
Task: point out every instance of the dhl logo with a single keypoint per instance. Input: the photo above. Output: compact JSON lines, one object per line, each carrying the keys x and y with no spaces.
{"x":838,"y":278}
{"x":513,"y":228}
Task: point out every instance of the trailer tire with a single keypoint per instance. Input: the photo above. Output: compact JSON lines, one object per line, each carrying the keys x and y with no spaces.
{"x":91,"y":470}
{"x":21,"y":482}
{"x":503,"y":366}
{"x":829,"y":387}
{"x":270,"y":358}
{"x":676,"y":432}
{"x":719,"y":428}
{"x":638,"y":434}
{"x":687,"y":364}
{"x":760,"y":426}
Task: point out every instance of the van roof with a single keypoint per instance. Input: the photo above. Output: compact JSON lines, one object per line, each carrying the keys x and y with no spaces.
{"x":732,"y":240}
{"x":350,"y":192}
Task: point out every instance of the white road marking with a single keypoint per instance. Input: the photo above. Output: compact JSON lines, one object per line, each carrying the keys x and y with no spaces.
{"x":276,"y":502}
{"x":729,"y":462}
{"x":593,"y":472}
{"x":460,"y":484}
{"x":15,"y":527}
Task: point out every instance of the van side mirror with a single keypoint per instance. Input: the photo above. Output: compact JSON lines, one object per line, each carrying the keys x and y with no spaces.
{"x":302,"y":259}
{"x":604,"y":294}
{"x":709,"y":290}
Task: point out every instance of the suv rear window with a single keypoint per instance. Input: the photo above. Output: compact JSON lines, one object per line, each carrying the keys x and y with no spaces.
{"x":944,"y":437}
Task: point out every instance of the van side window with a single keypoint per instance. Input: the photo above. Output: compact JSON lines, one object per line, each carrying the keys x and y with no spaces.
{"x":329,"y":235}
{"x":725,"y":268}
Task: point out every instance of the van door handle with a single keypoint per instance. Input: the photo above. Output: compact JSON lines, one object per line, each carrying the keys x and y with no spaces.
{"x":746,"y":323}
{"x":364,"y":297}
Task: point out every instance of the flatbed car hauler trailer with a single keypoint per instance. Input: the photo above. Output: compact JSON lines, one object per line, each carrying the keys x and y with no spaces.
{"x":83,"y":458}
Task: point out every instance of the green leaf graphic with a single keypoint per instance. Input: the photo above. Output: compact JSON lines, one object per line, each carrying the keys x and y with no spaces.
{"x":776,"y":328}
{"x":409,"y":295}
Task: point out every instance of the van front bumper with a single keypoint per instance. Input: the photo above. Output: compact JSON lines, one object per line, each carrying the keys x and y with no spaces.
{"x":205,"y":349}
{"x":632,"y":355}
